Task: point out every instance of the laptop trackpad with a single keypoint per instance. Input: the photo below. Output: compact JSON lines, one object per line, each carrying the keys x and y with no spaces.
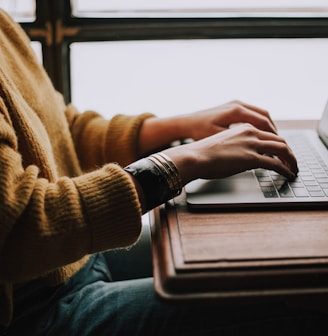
{"x":237,"y":189}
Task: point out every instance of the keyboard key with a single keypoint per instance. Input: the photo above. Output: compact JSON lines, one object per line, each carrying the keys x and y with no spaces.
{"x":285,"y":191}
{"x":264,"y":179}
{"x":317,"y":193}
{"x":269,"y":192}
{"x":305,"y":173}
{"x":313,"y":188}
{"x":267,"y":184}
{"x":261,"y":172}
{"x":278,"y":184}
{"x":296,"y":184}
{"x":310,"y":183}
{"x":300,"y":192}
{"x":322,"y":180}
{"x":308,"y":178}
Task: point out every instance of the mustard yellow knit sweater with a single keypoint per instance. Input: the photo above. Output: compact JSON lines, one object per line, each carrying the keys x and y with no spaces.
{"x":60,"y":200}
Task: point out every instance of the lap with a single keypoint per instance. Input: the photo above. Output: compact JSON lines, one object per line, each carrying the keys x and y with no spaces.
{"x":91,"y":304}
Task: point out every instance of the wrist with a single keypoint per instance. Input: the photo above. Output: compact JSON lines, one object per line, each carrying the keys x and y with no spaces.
{"x":158,"y":179}
{"x":159,"y":133}
{"x":186,"y":161}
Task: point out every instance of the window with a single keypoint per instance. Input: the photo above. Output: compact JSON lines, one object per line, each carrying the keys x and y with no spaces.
{"x":21,"y":10}
{"x":176,"y":56}
{"x":285,"y":76}
{"x":196,"y":8}
{"x":37,"y":47}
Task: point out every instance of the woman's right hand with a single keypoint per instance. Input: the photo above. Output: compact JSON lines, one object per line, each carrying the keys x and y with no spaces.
{"x":233,"y":151}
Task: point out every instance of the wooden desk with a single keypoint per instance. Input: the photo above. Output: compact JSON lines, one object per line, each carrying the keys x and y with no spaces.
{"x":239,"y":255}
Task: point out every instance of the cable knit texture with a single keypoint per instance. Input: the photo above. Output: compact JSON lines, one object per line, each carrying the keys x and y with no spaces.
{"x":60,"y":198}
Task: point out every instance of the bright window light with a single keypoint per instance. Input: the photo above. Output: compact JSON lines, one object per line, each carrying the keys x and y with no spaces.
{"x":37,"y":48}
{"x":20,"y":10}
{"x":204,"y":8}
{"x":288,"y":77}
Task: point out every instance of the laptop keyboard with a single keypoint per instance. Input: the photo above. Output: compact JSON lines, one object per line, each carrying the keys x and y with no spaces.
{"x":312,"y":179}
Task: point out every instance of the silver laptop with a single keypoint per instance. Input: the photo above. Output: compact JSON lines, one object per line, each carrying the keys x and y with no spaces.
{"x":261,"y":188}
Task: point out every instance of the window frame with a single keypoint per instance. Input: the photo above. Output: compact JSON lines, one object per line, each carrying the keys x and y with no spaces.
{"x":55,"y":28}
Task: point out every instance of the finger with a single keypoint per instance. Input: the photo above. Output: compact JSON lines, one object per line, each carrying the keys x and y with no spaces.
{"x":259,"y":120}
{"x":259,"y":110}
{"x":279,"y":150}
{"x":271,"y":144}
{"x":274,"y":163}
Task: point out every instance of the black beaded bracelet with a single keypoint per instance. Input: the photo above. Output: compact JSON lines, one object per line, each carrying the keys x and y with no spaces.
{"x":158,"y":177}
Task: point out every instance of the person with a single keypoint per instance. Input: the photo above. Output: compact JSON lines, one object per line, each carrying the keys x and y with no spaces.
{"x":74,"y":185}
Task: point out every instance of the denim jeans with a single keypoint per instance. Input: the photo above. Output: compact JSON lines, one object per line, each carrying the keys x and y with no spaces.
{"x":90,"y":303}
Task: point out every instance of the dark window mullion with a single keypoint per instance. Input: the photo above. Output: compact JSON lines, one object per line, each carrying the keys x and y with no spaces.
{"x":137,"y":29}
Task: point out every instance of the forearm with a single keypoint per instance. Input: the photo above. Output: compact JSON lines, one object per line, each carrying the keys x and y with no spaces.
{"x":159,"y":133}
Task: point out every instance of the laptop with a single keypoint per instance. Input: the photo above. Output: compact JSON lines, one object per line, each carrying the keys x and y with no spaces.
{"x":260,"y":188}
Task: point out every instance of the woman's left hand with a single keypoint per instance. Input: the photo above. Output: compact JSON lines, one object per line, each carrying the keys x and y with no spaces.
{"x":210,"y":121}
{"x":157,"y":133}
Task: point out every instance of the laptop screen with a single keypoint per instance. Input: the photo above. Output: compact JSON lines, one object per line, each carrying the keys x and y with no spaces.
{"x":323,"y":126}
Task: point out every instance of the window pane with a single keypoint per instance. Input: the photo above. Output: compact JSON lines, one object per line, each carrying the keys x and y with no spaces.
{"x":204,"y":8}
{"x":21,"y":10}
{"x":286,"y":76}
{"x":37,"y":47}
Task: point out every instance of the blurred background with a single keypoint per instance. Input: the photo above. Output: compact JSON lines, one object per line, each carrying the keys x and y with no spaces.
{"x":179,"y":56}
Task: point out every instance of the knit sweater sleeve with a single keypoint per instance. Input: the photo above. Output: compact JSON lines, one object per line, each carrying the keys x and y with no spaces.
{"x":51,"y":214}
{"x":45,"y":225}
{"x":98,"y":141}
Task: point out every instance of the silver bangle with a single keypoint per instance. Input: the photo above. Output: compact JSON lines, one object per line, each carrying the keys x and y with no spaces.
{"x":169,"y":171}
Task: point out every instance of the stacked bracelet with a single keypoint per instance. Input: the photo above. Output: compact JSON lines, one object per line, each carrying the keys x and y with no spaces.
{"x":158,"y":177}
